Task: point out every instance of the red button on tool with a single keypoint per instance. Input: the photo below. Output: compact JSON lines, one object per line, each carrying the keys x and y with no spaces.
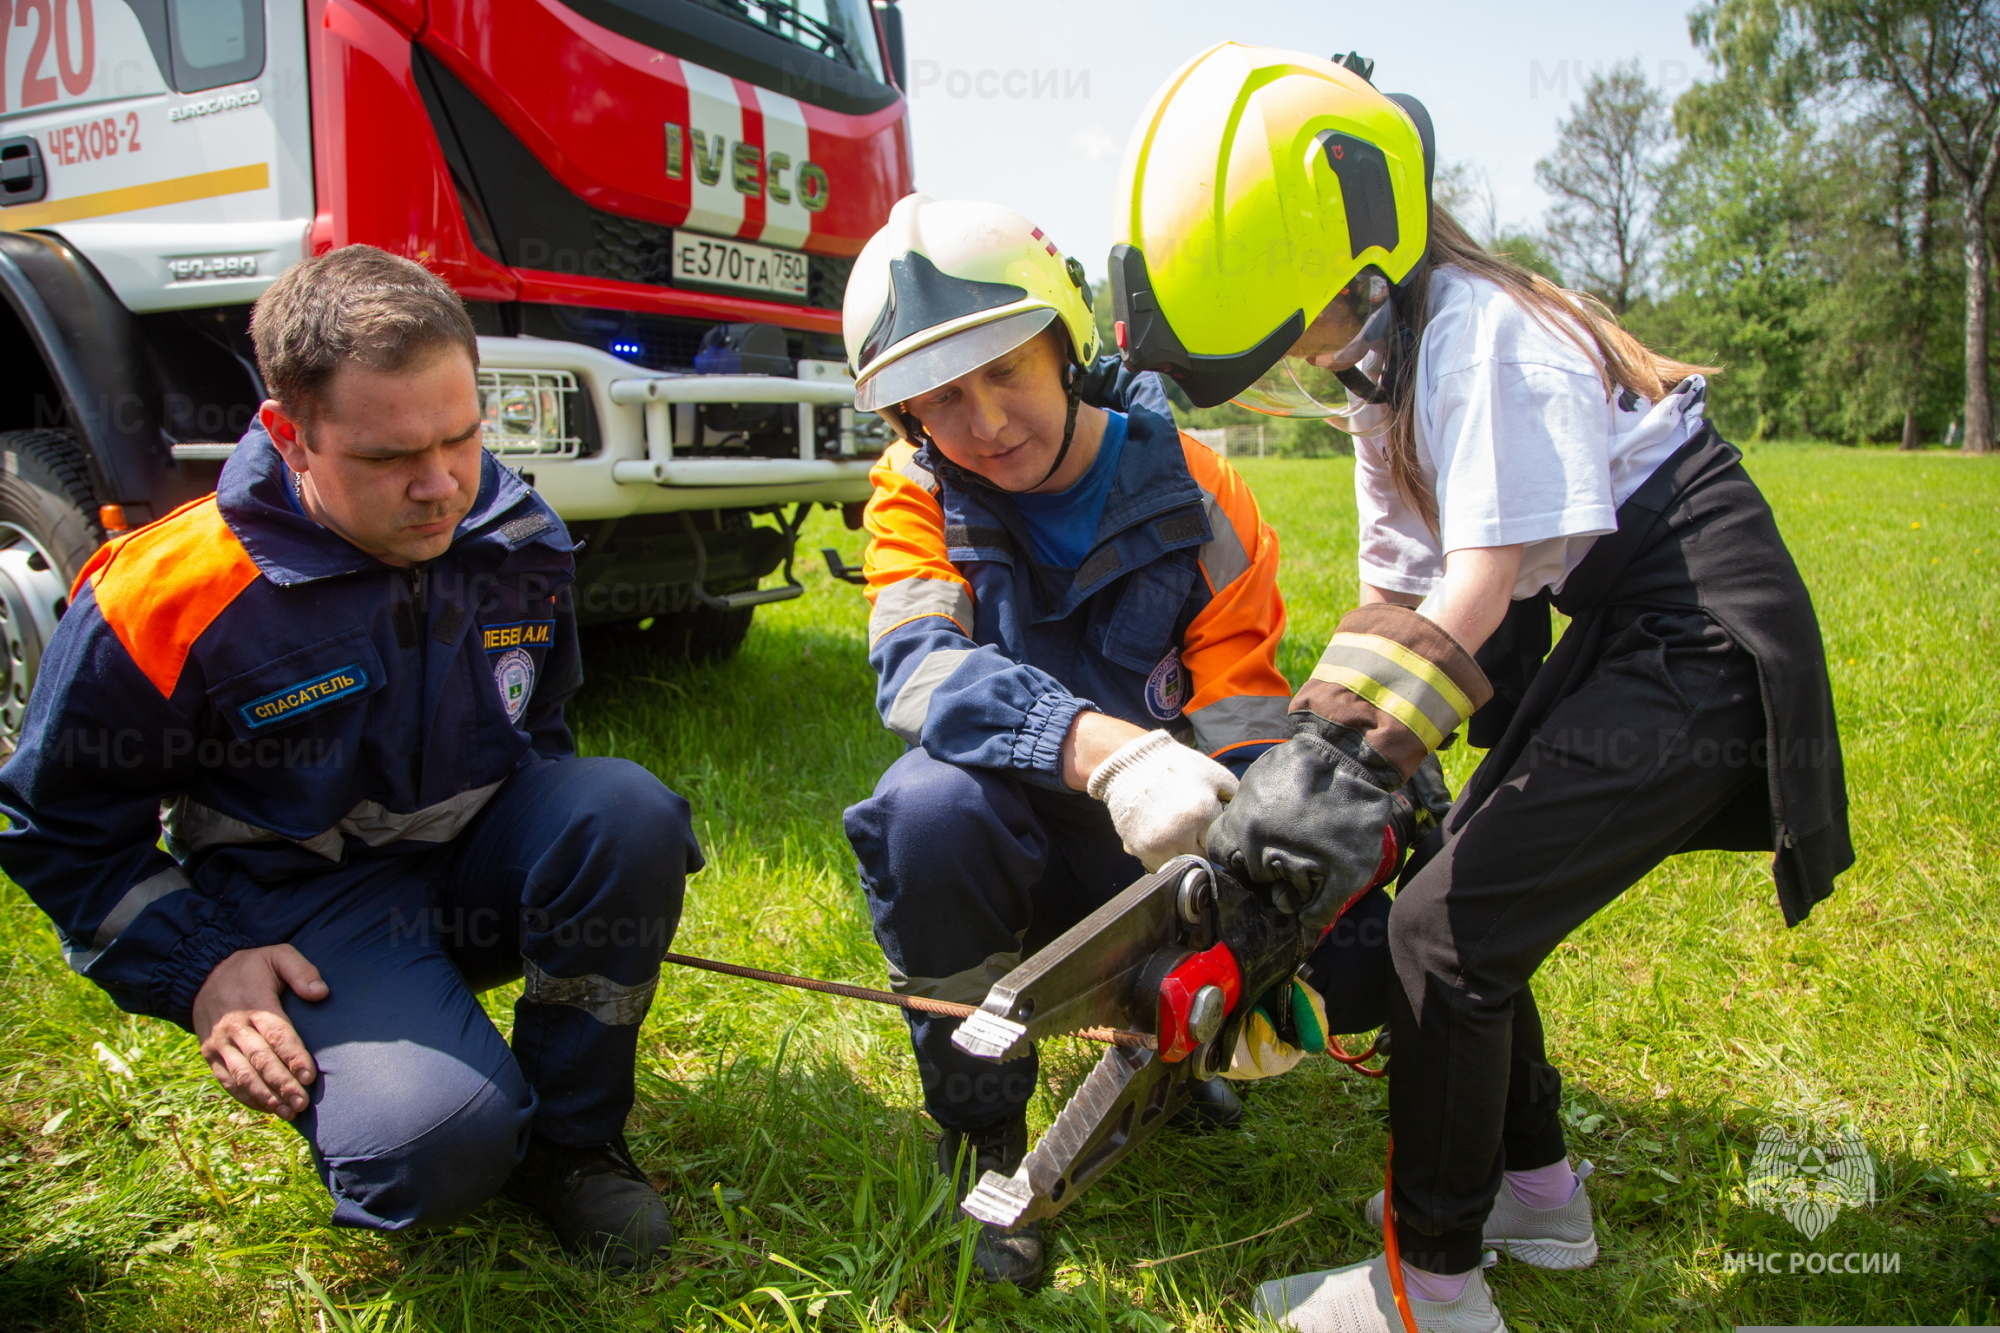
{"x":1211,"y":967}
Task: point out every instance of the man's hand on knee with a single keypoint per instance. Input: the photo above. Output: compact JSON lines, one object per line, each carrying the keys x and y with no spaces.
{"x":250,"y":1046}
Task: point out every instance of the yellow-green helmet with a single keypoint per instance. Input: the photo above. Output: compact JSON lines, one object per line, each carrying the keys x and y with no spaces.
{"x":1259,"y":184}
{"x":948,"y":285}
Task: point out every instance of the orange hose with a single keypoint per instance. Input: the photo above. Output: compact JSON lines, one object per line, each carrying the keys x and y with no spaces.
{"x":1392,"y":1253}
{"x":1338,"y":1052}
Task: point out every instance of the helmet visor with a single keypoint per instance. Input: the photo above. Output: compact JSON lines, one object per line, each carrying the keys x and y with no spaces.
{"x":945,"y":360}
{"x":1295,"y":387}
{"x":1307,"y":381}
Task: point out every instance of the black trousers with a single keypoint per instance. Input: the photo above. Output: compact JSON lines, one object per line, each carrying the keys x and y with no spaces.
{"x":1651,"y":739}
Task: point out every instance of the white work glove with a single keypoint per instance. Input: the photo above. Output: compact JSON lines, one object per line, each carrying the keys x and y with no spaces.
{"x":1162,"y":796}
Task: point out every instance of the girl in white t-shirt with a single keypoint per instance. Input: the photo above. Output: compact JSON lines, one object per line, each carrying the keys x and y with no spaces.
{"x":1514,"y":448}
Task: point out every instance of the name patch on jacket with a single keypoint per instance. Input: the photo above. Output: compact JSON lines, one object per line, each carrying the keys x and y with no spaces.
{"x":305,"y":696}
{"x":520,"y":634}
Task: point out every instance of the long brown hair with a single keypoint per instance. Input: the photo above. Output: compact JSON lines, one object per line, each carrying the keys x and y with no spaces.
{"x":1622,"y":360}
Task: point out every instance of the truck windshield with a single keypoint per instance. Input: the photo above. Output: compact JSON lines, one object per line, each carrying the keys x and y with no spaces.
{"x":840,"y":30}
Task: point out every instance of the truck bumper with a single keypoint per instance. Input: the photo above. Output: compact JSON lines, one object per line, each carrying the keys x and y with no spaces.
{"x":635,"y":469}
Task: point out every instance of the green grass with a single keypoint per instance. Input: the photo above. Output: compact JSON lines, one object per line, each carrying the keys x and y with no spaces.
{"x":786,"y":1131}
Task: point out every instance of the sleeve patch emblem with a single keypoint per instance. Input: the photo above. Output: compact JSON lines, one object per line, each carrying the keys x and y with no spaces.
{"x":304,"y":697}
{"x":514,"y":674}
{"x":1166,"y":688}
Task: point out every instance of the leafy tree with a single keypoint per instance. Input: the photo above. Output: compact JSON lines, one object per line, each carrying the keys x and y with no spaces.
{"x":1742,"y":275}
{"x":1529,"y":249}
{"x":1938,"y":61}
{"x":1602,"y":175}
{"x":1883,"y":363}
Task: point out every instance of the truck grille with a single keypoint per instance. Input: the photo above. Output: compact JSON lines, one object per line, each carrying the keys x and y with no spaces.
{"x":632,"y":250}
{"x":531,"y":220}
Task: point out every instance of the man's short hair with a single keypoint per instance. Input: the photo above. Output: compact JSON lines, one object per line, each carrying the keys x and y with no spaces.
{"x":357,"y":304}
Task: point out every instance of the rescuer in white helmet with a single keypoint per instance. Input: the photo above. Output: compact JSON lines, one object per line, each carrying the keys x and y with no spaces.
{"x":1075,"y":624}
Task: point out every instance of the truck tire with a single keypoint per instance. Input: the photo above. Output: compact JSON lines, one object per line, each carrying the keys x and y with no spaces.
{"x":698,"y":635}
{"x":48,"y":529}
{"x":703,"y":634}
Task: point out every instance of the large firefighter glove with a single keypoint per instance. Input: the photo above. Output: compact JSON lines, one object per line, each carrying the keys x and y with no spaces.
{"x":1162,"y":796}
{"x":1313,"y":821}
{"x":1309,"y":819}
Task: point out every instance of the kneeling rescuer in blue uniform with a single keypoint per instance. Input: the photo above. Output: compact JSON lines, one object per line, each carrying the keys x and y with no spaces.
{"x":1075,"y":621}
{"x":343,"y":675}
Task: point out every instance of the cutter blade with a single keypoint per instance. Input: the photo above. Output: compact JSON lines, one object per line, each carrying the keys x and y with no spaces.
{"x":1088,"y":976}
{"x":1126,"y":1098}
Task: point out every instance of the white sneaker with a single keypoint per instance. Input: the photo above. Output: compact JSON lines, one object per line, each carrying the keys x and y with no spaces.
{"x":1561,"y":1238}
{"x":1358,"y":1299}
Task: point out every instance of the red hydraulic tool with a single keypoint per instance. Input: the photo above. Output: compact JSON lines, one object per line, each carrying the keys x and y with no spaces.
{"x":1184,"y":954}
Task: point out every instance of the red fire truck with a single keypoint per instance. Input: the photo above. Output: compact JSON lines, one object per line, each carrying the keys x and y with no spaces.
{"x":650,"y":207}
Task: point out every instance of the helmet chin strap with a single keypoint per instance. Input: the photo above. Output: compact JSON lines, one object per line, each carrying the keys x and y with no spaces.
{"x":1072,"y":391}
{"x":1376,"y":331}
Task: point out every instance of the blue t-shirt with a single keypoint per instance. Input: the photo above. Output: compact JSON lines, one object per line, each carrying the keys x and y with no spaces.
{"x":1063,"y":524}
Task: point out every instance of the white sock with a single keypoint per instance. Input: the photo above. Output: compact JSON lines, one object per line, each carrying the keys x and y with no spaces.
{"x":1549,"y":1186}
{"x":1427,"y":1286}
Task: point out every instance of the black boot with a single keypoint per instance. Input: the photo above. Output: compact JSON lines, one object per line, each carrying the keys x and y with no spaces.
{"x":1215,"y":1106}
{"x":1000,"y":1254}
{"x":597,"y":1200}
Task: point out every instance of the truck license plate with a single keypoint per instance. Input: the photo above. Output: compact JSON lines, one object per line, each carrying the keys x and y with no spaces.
{"x":714,"y":261}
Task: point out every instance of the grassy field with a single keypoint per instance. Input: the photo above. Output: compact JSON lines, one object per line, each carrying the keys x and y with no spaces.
{"x":786,"y":1131}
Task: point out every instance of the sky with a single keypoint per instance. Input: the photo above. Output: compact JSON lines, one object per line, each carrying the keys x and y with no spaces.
{"x":1028,"y":103}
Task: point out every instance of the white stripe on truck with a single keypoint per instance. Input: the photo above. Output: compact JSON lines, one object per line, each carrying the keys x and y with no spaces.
{"x":786,"y":149}
{"x":715,"y":123}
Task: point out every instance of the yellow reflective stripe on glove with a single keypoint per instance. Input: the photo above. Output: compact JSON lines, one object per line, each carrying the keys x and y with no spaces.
{"x":1399,"y":679}
{"x":1406,"y":686}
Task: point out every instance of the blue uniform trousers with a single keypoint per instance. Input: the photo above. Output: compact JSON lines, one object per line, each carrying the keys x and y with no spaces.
{"x":967,"y":871}
{"x":573,"y":872}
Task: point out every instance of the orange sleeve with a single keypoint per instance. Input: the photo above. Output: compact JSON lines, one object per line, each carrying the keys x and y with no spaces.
{"x":1231,"y":648}
{"x":160,"y":587}
{"x":909,"y":573}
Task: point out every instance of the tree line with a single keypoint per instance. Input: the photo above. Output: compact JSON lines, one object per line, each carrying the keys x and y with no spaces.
{"x":1817,"y":220}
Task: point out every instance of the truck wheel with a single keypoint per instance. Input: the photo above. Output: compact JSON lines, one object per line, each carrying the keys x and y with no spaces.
{"x":703,"y":634}
{"x":48,"y":529}
{"x":700,"y":635}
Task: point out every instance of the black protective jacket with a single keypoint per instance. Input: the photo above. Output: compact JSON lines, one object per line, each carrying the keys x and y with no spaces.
{"x":1697,"y":533}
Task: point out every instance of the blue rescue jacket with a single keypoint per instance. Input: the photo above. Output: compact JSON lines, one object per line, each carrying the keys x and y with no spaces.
{"x":984,"y":656}
{"x":282,"y":703}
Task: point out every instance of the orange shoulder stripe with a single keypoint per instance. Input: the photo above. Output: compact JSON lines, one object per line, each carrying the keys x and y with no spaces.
{"x":1231,"y":646}
{"x":1213,"y":474}
{"x":160,"y":587}
{"x":905,"y":526}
